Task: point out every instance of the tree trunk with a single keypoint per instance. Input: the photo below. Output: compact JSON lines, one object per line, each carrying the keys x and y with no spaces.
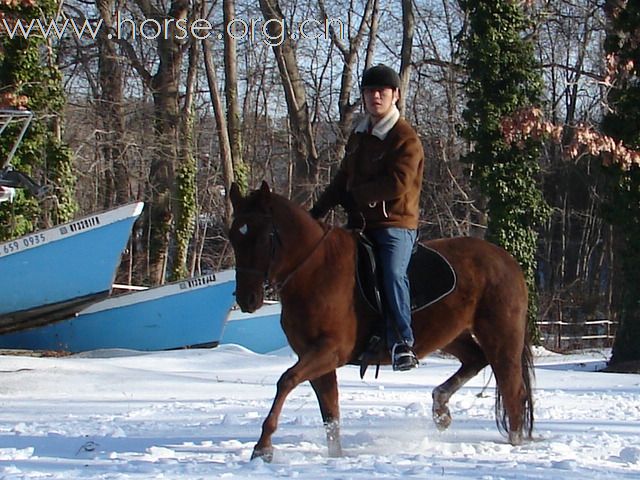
{"x":186,"y":197}
{"x":234,"y":124}
{"x":117,"y":188}
{"x":117,"y":184}
{"x":221,"y":127}
{"x":305,"y":156}
{"x":373,"y":34}
{"x":621,"y":122}
{"x":408,"y":25}
{"x":165,"y":88}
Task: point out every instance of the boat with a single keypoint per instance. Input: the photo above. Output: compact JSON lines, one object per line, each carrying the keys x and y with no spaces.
{"x":52,"y":274}
{"x":185,"y":314}
{"x":259,"y":331}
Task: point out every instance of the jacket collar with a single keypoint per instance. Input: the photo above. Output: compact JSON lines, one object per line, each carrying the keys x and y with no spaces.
{"x":383,"y":127}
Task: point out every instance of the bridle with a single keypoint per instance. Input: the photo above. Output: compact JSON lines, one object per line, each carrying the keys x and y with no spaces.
{"x":274,"y":241}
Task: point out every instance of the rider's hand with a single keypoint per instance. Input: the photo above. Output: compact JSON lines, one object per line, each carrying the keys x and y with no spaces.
{"x":316,"y":213}
{"x":355,"y":221}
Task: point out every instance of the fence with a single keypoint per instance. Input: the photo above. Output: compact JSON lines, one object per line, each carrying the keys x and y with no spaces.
{"x":563,"y":336}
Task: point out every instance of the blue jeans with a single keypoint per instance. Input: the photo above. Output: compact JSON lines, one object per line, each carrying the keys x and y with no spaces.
{"x":393,"y":248}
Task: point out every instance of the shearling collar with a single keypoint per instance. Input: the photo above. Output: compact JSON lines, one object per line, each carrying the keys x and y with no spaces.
{"x":382,"y":128}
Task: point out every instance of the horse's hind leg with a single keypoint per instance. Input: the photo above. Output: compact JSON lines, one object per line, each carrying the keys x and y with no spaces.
{"x":510,"y":357}
{"x":326,"y":388}
{"x":513,"y":395}
{"x":472,"y":360}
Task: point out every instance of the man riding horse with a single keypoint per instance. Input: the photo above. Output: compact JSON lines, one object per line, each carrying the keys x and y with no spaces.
{"x":380,"y":180}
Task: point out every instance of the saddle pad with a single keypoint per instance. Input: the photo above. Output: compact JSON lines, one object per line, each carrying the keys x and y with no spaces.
{"x":431,"y":276}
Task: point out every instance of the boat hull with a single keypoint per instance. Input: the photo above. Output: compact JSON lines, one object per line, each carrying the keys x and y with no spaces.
{"x":54,"y":273}
{"x":189,"y":313}
{"x":259,"y":331}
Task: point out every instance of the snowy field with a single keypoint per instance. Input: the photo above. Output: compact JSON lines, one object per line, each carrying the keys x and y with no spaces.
{"x":197,"y":414}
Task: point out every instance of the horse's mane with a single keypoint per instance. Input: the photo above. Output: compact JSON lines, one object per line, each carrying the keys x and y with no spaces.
{"x":254,"y":202}
{"x":336,"y":245}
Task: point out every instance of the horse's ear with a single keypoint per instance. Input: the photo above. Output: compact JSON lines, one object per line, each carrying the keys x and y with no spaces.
{"x":235,"y":194}
{"x":265,"y":193}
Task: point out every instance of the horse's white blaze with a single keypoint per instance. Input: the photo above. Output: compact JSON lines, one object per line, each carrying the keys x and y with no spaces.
{"x":243,"y":229}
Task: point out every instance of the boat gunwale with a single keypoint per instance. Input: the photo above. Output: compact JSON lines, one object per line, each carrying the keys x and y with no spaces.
{"x":160,"y":291}
{"x":107,"y":217}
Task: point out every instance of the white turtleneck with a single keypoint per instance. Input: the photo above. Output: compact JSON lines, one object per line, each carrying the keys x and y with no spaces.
{"x":382,"y":128}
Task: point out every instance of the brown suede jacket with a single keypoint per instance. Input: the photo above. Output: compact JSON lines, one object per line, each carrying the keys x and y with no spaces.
{"x":384,"y":177}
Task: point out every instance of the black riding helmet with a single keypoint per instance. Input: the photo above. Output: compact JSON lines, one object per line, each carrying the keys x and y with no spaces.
{"x":379,"y":76}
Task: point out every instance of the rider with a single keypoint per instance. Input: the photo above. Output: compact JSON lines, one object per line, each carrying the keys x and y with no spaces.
{"x":380,"y":177}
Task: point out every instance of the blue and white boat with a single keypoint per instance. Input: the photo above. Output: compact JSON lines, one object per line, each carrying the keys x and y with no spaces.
{"x":52,"y":274}
{"x":188,"y":313}
{"x":259,"y":331}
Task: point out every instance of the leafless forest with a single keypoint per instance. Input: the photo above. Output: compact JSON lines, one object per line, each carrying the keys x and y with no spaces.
{"x":255,"y":102}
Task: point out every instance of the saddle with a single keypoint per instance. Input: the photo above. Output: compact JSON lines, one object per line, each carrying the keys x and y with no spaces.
{"x":431,"y":278}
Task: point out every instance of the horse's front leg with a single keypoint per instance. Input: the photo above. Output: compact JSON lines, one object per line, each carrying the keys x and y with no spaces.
{"x":326,"y":388}
{"x":316,"y":363}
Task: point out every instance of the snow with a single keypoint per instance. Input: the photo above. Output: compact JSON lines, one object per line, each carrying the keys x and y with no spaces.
{"x":196,"y":414}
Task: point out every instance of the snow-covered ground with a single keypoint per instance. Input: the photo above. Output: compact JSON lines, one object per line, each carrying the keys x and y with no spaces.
{"x":197,"y":414}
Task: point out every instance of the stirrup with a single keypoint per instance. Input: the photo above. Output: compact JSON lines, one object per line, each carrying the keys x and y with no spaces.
{"x":403,"y":358}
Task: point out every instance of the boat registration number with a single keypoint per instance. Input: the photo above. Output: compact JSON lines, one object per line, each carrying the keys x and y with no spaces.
{"x":22,"y":243}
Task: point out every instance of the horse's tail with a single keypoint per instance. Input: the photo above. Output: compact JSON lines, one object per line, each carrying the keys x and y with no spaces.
{"x":528,"y":375}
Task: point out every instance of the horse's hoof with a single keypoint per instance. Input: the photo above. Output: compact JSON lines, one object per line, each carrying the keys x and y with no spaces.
{"x":266,"y":454}
{"x":335,"y":451}
{"x":442,"y":420}
{"x":515,"y":438}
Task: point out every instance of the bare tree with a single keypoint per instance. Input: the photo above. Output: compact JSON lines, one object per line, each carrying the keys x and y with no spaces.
{"x":305,"y":156}
{"x":185,"y":188}
{"x":408,"y":26}
{"x":221,"y":126}
{"x":574,"y":268}
{"x":294,"y":108}
{"x":234,"y":123}
{"x":373,"y":34}
{"x":110,"y":102}
{"x":435,"y":103}
{"x":349,"y":53}
{"x":164,"y":86}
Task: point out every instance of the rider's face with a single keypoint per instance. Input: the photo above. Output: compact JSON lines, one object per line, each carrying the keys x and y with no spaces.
{"x":378,"y":101}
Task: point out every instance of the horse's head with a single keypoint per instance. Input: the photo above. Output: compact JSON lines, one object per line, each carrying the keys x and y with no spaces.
{"x":252,"y":238}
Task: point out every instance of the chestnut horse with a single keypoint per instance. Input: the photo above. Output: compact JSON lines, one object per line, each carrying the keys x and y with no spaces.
{"x":327,"y":323}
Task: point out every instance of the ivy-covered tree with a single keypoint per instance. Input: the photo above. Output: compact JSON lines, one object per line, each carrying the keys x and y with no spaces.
{"x":28,"y":73}
{"x":186,"y":196}
{"x":503,"y":78}
{"x":623,"y":123}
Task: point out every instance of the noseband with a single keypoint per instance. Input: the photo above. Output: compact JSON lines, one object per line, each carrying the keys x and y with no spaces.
{"x":274,"y":241}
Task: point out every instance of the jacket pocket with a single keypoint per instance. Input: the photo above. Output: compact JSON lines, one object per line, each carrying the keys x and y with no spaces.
{"x":376,"y":212}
